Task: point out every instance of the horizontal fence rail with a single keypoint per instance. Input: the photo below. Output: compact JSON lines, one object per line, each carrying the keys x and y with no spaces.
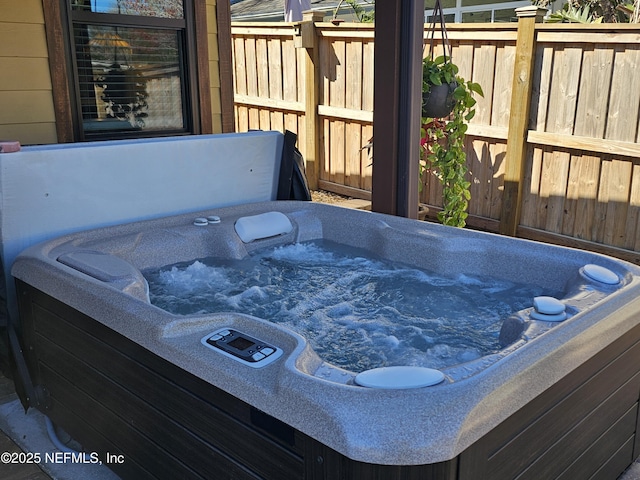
{"x":581,"y":163}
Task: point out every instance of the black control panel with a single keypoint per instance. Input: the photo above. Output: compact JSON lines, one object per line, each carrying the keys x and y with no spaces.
{"x":242,"y":347}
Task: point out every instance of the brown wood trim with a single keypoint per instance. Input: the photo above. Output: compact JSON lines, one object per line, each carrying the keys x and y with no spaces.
{"x":564,"y":240}
{"x":223,"y":14}
{"x":202,"y":61}
{"x":344,"y":190}
{"x":58,"y":69}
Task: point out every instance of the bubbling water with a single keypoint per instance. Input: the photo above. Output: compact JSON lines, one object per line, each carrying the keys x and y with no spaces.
{"x":356,"y":311}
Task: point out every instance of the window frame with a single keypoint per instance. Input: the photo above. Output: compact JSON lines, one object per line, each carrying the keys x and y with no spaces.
{"x":63,"y":70}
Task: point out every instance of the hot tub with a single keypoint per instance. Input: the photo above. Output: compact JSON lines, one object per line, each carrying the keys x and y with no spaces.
{"x":187,"y":396}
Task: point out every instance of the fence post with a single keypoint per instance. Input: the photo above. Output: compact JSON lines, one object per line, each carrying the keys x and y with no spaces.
{"x":306,"y":37}
{"x":516,"y":156}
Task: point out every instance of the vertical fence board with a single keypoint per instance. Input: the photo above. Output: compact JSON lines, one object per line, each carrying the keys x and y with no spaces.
{"x":242,"y":119}
{"x":531,"y":204}
{"x":367,"y":77}
{"x":290,"y":72}
{"x":325,"y":173}
{"x":624,"y":95}
{"x":276,"y":121}
{"x":572,"y":195}
{"x":262,"y":67}
{"x":595,"y":79}
{"x":353,"y":78}
{"x":477,"y":158}
{"x":326,"y":73}
{"x":274,"y":48}
{"x":553,"y":188}
{"x":541,"y":84}
{"x":588,"y":175}
{"x":505,"y":57}
{"x":632,"y":224}
{"x":353,"y":100}
{"x":484,"y":64}
{"x":254,"y":118}
{"x":564,"y":90}
{"x":353,"y":134}
{"x":239,"y":58}
{"x":618,"y":202}
{"x":300,"y":73}
{"x":251,"y":66}
{"x":337,"y":98}
{"x":463,"y":54}
{"x":600,"y":213}
{"x":497,"y":153}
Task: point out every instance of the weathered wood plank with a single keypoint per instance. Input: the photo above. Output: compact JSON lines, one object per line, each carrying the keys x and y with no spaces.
{"x":540,"y":90}
{"x":595,"y":79}
{"x":553,"y":187}
{"x":618,"y":202}
{"x":290,"y":72}
{"x":269,"y":103}
{"x":367,"y":77}
{"x":563,"y":94}
{"x":531,"y":198}
{"x":477,"y":159}
{"x":262,"y":67}
{"x":572,"y":195}
{"x":624,"y":99}
{"x":353,"y":75}
{"x":353,"y":134}
{"x":588,"y":175}
{"x":366,"y":156}
{"x":600,"y":214}
{"x":505,"y":59}
{"x":274,"y":48}
{"x":595,"y":145}
{"x":326,"y":73}
{"x":353,"y":100}
{"x":251,"y":66}
{"x":600,"y":37}
{"x":240,"y":67}
{"x":345,"y":113}
{"x":484,"y":65}
{"x":497,"y":154}
{"x":254,"y":118}
{"x":632,"y":240}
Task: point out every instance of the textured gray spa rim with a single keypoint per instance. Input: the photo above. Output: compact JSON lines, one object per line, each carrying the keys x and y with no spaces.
{"x":393,"y":427}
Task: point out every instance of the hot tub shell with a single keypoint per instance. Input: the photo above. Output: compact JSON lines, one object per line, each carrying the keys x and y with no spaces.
{"x":123,"y":376}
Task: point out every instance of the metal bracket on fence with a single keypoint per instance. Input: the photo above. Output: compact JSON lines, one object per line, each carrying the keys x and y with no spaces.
{"x":304,"y":32}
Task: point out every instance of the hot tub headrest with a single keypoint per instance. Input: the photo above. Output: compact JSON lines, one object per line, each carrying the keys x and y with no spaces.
{"x":265,"y":225}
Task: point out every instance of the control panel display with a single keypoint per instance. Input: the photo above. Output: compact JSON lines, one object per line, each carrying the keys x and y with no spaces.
{"x":242,"y":347}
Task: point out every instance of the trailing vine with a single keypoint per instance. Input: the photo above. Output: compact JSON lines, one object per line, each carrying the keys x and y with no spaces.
{"x":442,"y":144}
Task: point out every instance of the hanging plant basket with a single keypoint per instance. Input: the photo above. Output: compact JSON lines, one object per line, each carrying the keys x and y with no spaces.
{"x":439,"y":75}
{"x":439,"y":101}
{"x":447,"y":107}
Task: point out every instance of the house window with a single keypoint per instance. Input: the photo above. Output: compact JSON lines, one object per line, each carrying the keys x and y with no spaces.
{"x":477,"y":11}
{"x":131,"y":68}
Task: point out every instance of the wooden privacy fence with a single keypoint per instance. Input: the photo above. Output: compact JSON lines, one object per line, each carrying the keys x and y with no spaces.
{"x":577,"y":180}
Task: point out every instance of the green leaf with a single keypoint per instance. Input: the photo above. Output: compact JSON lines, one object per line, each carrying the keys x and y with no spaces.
{"x":476,"y":88}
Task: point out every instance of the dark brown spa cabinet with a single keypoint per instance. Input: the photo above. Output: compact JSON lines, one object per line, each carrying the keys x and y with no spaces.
{"x":112,"y":395}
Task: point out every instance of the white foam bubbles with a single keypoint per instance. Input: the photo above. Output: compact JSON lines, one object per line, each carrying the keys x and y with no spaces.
{"x":358,"y":313}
